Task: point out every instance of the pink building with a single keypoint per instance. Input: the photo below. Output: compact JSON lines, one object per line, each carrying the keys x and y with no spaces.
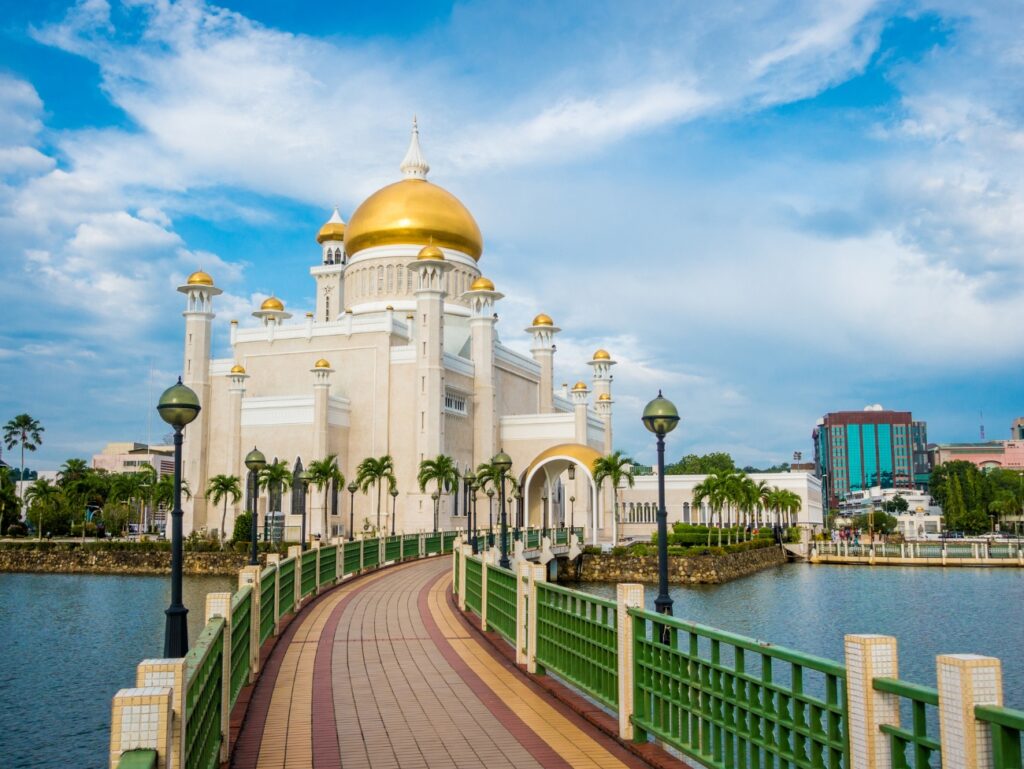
{"x":1005,"y":454}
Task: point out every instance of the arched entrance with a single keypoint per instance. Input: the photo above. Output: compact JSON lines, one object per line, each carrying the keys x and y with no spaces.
{"x":547,"y":475}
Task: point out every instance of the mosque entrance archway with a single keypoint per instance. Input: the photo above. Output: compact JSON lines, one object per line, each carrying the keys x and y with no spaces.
{"x":547,"y":489}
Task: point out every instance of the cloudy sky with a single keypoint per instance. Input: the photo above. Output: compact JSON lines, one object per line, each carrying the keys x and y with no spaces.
{"x":770,"y":210}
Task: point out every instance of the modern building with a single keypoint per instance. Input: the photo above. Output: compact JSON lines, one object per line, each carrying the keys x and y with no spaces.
{"x":855,"y":450}
{"x":1005,"y":454}
{"x":400,"y":356}
{"x":130,"y":457}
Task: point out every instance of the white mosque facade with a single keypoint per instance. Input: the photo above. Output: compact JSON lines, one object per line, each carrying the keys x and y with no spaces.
{"x":401,"y":357}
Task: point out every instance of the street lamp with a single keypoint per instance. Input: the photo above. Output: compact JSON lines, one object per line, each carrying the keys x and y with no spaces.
{"x":475,"y":487}
{"x":572,"y":514}
{"x":517,"y":534}
{"x":177,"y":407}
{"x":394,"y":503}
{"x":466,"y":485}
{"x":255,"y":461}
{"x":544,"y":512}
{"x":661,"y":417}
{"x":352,"y":487}
{"x":304,"y":478}
{"x":572,"y":477}
{"x":502,"y":462}
{"x":490,"y":516}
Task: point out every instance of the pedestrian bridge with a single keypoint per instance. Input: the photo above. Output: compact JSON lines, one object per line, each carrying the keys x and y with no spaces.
{"x":410,"y":651}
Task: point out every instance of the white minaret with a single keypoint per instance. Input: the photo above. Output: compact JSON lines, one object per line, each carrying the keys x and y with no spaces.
{"x":543,"y":331}
{"x":273,"y":314}
{"x":482,"y":298}
{"x":430,"y":267}
{"x":602,"y":364}
{"x":236,"y":392}
{"x":330,"y":273}
{"x":580,"y":396}
{"x":321,"y":390}
{"x":199,"y":291}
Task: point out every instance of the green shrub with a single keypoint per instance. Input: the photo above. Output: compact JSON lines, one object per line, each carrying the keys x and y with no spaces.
{"x":243,"y":527}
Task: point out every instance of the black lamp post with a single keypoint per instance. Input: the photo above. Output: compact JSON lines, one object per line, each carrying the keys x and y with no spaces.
{"x":435,"y":496}
{"x":177,"y":407}
{"x":466,"y":485}
{"x":352,"y":487}
{"x":394,"y":503}
{"x":490,"y":517}
{"x":572,"y":498}
{"x":517,"y":534}
{"x":475,"y":487}
{"x":572,"y":514}
{"x":544,"y":512}
{"x":304,"y":478}
{"x":502,"y":462}
{"x":255,"y":461}
{"x":660,"y":417}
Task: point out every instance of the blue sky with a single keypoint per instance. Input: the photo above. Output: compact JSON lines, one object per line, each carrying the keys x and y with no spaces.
{"x":770,"y":210}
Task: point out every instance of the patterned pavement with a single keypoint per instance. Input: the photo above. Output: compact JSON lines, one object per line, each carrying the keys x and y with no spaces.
{"x":384,"y":673}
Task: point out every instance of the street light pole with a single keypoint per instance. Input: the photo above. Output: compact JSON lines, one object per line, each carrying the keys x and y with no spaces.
{"x":394,"y":504}
{"x":503,"y":463}
{"x":544,"y":512}
{"x":661,"y":417}
{"x":178,"y":406}
{"x":255,"y":461}
{"x":434,"y":495}
{"x":352,"y":488}
{"x":475,"y":487}
{"x":490,"y":516}
{"x":517,"y":534}
{"x":304,"y":477}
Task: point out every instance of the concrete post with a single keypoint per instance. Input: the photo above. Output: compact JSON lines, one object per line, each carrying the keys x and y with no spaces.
{"x":628,"y":595}
{"x":467,"y":550}
{"x":339,"y":562}
{"x":219,"y":605}
{"x":522,"y":605}
{"x":869,"y":657}
{"x":142,"y":718}
{"x":362,"y":552}
{"x":456,"y":555}
{"x":251,"y":575}
{"x":169,"y":673}
{"x":380,"y":551}
{"x":483,"y":593}
{"x":295,"y":551}
{"x":316,"y":549}
{"x":966,"y":680}
{"x":275,"y":559}
{"x":537,"y":574}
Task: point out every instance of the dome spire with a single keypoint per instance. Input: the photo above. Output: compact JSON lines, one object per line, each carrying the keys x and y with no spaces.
{"x":415,"y":165}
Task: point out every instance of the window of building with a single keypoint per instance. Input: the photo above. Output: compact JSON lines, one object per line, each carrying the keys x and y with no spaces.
{"x":455,"y":403}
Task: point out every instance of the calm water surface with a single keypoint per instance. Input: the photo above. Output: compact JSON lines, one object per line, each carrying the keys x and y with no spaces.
{"x":929,"y":610}
{"x":67,"y":643}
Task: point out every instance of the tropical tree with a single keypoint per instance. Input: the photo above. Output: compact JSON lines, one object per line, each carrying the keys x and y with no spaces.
{"x":322,"y":473}
{"x":372,"y":471}
{"x":218,"y":489}
{"x":129,"y":487}
{"x":712,"y":491}
{"x":785,"y":503}
{"x":764,"y":491}
{"x":10,"y":506}
{"x":274,"y":479}
{"x":26,"y":432}
{"x":42,"y":496}
{"x":443,"y":471}
{"x":616,"y":468}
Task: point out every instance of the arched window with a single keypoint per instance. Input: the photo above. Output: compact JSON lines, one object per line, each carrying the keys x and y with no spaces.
{"x":380,"y":280}
{"x":410,"y":275}
{"x":400,"y":279}
{"x":327,"y":308}
{"x":686,"y":512}
{"x":391,"y":276}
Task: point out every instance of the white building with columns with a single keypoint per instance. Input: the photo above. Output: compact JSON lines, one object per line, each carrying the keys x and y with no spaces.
{"x":400,"y":357}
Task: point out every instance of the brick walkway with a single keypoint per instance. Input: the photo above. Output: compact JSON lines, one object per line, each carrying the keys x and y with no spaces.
{"x":384,"y":673}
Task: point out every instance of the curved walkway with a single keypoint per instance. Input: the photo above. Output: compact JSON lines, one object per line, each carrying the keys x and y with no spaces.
{"x":383,"y":672}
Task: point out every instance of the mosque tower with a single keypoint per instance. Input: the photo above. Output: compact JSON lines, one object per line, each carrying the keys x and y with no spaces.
{"x":602,"y":364}
{"x":330,"y":275}
{"x":199,"y":291}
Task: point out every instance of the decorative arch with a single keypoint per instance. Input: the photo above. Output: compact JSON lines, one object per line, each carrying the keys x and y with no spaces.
{"x":553,"y":462}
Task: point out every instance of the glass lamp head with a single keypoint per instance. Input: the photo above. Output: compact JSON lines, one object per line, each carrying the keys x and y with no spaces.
{"x":178,"y":405}
{"x":353,"y":487}
{"x":660,"y":416}
{"x":255,"y":460}
{"x":502,"y":461}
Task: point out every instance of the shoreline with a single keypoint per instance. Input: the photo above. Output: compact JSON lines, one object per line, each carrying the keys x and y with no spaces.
{"x":682,"y":569}
{"x":24,"y":559}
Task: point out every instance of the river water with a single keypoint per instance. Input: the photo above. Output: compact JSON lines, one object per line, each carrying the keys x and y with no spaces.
{"x":68,"y":642}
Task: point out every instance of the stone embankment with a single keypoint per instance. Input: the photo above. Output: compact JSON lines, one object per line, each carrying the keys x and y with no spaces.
{"x":91,"y":560}
{"x":682,"y":570}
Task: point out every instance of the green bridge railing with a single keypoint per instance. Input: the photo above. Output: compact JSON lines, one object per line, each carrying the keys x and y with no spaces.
{"x":727,"y":701}
{"x":197,"y":693}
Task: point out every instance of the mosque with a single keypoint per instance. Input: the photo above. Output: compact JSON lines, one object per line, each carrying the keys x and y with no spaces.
{"x":401,"y":357}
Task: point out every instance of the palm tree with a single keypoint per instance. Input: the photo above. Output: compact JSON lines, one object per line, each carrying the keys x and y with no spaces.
{"x":443,"y":471}
{"x":25,"y":431}
{"x":72,"y":471}
{"x":218,"y":489}
{"x":73,"y":480}
{"x":273,"y":479}
{"x":129,"y":487}
{"x":616,"y":468}
{"x":9,"y":503}
{"x":371,"y":472}
{"x":488,"y":477}
{"x":44,"y":495}
{"x":322,"y":473}
{"x":764,"y":492}
{"x":748,"y":496}
{"x":711,"y":490}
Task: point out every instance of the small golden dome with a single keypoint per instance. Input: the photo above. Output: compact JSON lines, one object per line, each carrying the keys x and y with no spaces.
{"x":581,"y":385}
{"x":238,"y":369}
{"x":543,"y":320}
{"x":390,"y":307}
{"x":430,"y":252}
{"x":272,"y":303}
{"x":413,"y":211}
{"x":602,"y":355}
{"x":482,"y":284}
{"x":200,"y":278}
{"x":322,"y":363}
{"x":604,"y":397}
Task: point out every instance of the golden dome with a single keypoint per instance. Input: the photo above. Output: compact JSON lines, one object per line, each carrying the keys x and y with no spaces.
{"x":543,"y":320}
{"x":604,"y":397}
{"x":200,"y":278}
{"x":430,"y":252}
{"x":331,"y":231}
{"x":602,"y":355}
{"x":581,"y":385}
{"x":272,"y":303}
{"x":482,"y":284}
{"x":322,"y":363}
{"x":413,"y":211}
{"x":238,"y":369}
